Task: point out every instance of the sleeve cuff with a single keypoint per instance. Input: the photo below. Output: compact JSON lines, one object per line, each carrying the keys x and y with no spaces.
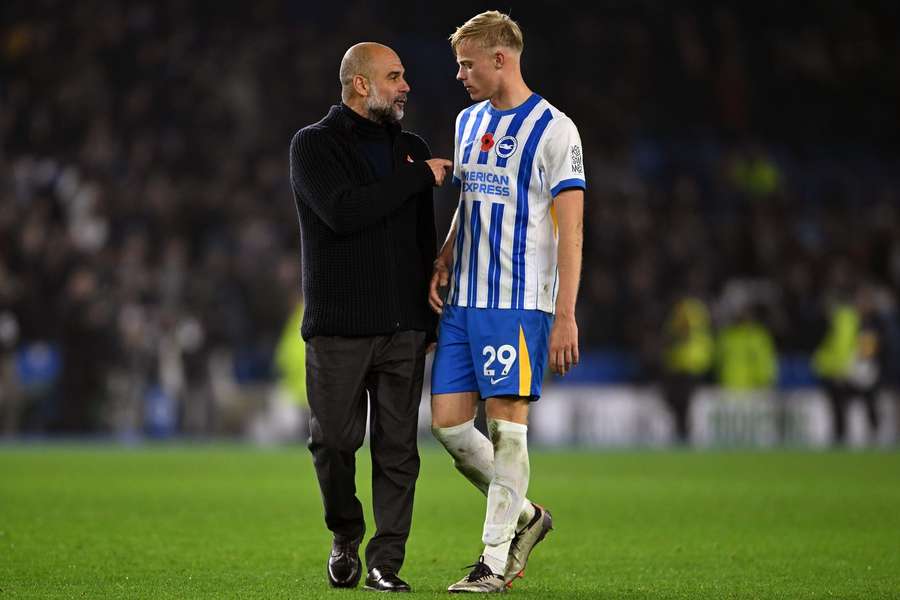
{"x":567,"y":184}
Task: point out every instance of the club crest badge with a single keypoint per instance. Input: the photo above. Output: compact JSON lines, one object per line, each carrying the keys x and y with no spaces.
{"x":506,"y":146}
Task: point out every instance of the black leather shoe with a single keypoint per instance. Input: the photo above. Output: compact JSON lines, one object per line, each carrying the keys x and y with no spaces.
{"x":344,"y":567}
{"x":385,"y":580}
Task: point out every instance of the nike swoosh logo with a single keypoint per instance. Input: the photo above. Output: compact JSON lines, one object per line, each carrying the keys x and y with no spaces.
{"x":496,"y":381}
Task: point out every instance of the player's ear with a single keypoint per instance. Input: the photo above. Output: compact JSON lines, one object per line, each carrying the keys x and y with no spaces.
{"x":499,"y":59}
{"x":361,"y":85}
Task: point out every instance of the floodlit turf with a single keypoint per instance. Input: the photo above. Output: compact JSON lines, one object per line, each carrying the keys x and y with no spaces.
{"x":237,"y":522}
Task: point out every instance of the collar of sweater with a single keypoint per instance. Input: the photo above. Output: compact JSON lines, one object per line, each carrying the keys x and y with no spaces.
{"x":356,"y":124}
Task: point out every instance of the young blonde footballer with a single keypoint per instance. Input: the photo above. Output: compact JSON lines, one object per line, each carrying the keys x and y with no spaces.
{"x":512,"y":261}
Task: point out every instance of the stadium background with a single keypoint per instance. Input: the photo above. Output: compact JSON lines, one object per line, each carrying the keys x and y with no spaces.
{"x":744,"y":155}
{"x":741,"y":154}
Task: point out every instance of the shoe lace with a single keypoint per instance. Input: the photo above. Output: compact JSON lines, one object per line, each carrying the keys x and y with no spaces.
{"x":479,"y":570}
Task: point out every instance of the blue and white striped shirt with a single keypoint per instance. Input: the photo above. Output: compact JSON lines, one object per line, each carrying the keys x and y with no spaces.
{"x":510,"y":164}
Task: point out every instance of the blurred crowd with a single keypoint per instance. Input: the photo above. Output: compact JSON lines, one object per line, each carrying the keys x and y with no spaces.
{"x":745,"y":156}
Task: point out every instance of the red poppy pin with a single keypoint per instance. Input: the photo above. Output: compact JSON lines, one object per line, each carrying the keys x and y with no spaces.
{"x":487,"y":142}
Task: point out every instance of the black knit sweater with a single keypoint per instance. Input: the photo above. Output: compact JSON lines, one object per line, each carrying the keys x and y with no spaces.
{"x":368,"y":244}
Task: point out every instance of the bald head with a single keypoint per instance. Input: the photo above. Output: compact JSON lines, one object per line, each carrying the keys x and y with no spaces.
{"x":372,"y":82}
{"x":362,"y":59}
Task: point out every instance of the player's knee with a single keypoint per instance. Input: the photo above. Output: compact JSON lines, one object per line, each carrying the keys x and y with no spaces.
{"x":513,"y":409}
{"x":451,"y":410}
{"x":451,"y":436}
{"x":451,"y":422}
{"x":441,"y":435}
{"x":507,"y":433}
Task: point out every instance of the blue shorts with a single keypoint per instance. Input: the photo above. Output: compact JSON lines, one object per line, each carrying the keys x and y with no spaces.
{"x":495,"y":352}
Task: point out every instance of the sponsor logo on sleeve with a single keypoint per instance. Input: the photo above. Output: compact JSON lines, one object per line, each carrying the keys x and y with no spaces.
{"x":577,"y":164}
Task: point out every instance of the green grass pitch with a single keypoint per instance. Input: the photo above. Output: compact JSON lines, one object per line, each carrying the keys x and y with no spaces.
{"x":239,"y":522}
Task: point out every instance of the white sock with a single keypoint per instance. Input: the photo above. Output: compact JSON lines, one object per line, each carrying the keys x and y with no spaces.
{"x":506,"y":493}
{"x":495,"y":557}
{"x":473,"y":456}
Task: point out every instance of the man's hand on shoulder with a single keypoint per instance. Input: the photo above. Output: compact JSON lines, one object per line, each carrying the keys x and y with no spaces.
{"x":439,"y":168}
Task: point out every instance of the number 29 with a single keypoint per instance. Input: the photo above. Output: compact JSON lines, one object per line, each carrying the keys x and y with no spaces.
{"x":505,"y":354}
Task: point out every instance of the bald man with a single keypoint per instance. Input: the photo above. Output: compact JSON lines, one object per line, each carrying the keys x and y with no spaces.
{"x":363,"y":190}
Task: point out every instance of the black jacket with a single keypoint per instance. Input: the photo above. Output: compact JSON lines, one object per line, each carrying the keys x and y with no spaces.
{"x":368,"y":245}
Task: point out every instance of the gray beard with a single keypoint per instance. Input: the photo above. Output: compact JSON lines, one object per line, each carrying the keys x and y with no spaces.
{"x":382,"y":112}
{"x":383,"y":115}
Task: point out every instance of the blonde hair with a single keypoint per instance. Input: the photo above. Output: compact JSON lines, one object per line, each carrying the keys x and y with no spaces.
{"x":489,"y":30}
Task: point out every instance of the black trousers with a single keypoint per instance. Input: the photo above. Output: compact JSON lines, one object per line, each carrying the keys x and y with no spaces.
{"x":339,"y":373}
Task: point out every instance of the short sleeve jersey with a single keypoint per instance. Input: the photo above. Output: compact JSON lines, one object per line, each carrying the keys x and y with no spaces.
{"x":510,"y":165}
